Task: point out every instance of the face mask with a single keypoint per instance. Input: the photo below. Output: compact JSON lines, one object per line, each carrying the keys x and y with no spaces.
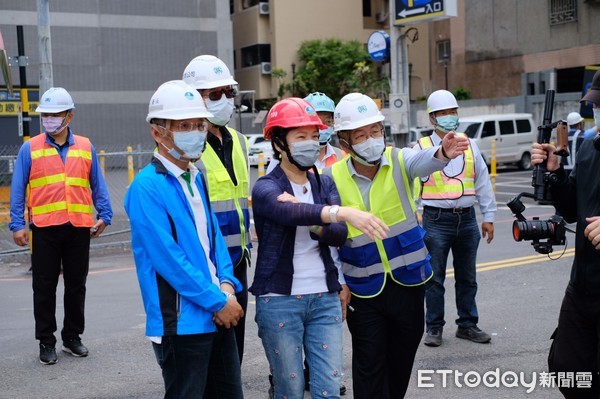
{"x":597,"y":116}
{"x":370,"y":151}
{"x":325,"y":135}
{"x":52,"y":124}
{"x":306,"y":152}
{"x":447,"y":123}
{"x":191,"y":143}
{"x":221,"y":110}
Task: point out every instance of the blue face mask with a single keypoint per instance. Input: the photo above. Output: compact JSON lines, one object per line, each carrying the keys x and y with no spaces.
{"x":447,"y":123}
{"x":190,"y":143}
{"x":597,"y":116}
{"x":325,"y":135}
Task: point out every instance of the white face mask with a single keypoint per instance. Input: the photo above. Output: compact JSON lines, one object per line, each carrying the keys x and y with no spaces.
{"x":305,"y":152}
{"x":596,"y":116}
{"x":369,"y":150}
{"x":191,"y":143}
{"x":221,"y":110}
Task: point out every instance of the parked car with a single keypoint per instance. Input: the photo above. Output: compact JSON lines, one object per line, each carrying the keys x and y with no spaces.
{"x":514,"y":134}
{"x":258,"y":144}
{"x":417,"y":132}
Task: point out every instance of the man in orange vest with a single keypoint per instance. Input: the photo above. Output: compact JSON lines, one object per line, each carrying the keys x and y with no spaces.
{"x":66,"y":184}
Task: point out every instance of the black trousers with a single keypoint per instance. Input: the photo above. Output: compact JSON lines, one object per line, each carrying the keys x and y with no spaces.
{"x":52,"y":247}
{"x":576,"y":346}
{"x":240,"y":272}
{"x":386,"y":331}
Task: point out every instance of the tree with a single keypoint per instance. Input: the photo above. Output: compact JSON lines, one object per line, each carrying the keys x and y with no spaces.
{"x":336,"y":68}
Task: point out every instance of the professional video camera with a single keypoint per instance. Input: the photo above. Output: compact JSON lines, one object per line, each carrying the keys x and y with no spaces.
{"x":554,"y":229}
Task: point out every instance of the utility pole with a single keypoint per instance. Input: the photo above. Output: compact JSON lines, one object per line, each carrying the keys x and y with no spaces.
{"x":22,"y":62}
{"x":399,"y":99}
{"x":45,"y":46}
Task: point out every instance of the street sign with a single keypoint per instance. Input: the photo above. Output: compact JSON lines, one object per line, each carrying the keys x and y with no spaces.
{"x":378,"y":46}
{"x":409,"y":12}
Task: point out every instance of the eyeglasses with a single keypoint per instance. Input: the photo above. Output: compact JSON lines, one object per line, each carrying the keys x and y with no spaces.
{"x":361,"y":135}
{"x":230,"y":92}
{"x":186,"y":126}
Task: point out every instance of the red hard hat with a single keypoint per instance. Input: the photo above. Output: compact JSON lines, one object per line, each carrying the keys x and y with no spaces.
{"x":292,"y":112}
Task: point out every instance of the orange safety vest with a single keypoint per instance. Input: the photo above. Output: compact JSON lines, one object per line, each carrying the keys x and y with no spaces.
{"x":60,"y":192}
{"x":441,"y":186}
{"x":339,"y":155}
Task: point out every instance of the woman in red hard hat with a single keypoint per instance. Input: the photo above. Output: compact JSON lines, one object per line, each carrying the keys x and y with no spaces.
{"x":298,"y":216}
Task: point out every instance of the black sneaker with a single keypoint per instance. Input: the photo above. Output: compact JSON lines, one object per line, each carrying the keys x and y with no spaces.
{"x":434,"y":337}
{"x":473,"y":334}
{"x":342,"y":389}
{"x":75,"y":347}
{"x":47,"y":354}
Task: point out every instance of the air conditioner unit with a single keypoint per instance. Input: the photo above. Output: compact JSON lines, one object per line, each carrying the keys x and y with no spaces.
{"x":263,"y":8}
{"x":381,"y":17}
{"x":265,"y":68}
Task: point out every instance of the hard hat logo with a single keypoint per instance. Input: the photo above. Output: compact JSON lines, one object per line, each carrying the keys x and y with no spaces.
{"x":310,"y":111}
{"x":218,"y":70}
{"x":189,"y":96}
{"x":362,"y":109}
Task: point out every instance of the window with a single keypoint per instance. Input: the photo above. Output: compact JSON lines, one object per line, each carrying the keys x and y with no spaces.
{"x":255,"y":54}
{"x":366,"y":8}
{"x":489,"y":129}
{"x":507,"y":127}
{"x":523,"y":126}
{"x":443,"y":51}
{"x":563,"y":11}
{"x":469,"y":128}
{"x":251,"y":3}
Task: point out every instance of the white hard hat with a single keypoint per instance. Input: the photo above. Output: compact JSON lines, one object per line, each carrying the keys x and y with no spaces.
{"x":176,"y":100}
{"x":207,"y":72}
{"x":574,"y":118}
{"x":355,"y":110}
{"x":55,"y":100}
{"x":439,"y":100}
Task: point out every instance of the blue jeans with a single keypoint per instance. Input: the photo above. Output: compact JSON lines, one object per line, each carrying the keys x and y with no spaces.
{"x":288,"y":323}
{"x":458,"y":232}
{"x":200,"y":365}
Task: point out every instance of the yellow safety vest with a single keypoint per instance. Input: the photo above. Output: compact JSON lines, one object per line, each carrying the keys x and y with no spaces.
{"x":441,"y":186}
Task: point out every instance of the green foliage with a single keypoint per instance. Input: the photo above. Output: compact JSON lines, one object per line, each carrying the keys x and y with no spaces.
{"x":461,"y":93}
{"x":334,"y":67}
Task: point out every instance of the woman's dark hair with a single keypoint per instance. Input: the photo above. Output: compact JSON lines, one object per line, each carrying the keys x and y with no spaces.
{"x":278,"y":135}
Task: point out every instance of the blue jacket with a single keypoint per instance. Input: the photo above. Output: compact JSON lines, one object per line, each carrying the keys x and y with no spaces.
{"x":276,"y":224}
{"x":178,"y":293}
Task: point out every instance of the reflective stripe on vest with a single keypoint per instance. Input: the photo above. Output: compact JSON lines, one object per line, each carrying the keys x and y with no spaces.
{"x":66,"y":185}
{"x":441,"y":186}
{"x":402,"y":256}
{"x":230,"y":202}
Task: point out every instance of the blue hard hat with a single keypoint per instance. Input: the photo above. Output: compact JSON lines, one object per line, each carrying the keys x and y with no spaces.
{"x":320,"y":102}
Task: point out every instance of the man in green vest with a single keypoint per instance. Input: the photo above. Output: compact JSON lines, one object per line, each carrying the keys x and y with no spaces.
{"x":225,"y":165}
{"x":384,"y":278}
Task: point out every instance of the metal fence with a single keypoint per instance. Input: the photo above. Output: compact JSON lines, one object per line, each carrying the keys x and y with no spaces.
{"x":119,"y":166}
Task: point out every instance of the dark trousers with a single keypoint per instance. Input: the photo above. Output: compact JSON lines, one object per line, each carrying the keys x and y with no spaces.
{"x":241,"y":273}
{"x":576,"y":345}
{"x":386,"y":331}
{"x":52,"y":247}
{"x":197,"y":363}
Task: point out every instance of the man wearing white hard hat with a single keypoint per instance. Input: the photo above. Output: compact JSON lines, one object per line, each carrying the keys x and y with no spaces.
{"x":384,"y":278}
{"x":225,"y":165}
{"x":66,"y":184}
{"x":448,"y":197}
{"x":183,"y":266}
{"x":576,"y":136}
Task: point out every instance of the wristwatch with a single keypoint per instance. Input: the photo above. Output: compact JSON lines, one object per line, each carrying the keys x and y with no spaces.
{"x":333,"y":211}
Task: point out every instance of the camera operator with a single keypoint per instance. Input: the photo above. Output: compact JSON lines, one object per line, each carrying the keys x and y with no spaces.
{"x":577,"y":199}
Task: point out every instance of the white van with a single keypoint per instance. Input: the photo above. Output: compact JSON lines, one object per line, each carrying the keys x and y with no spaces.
{"x":514,"y":134}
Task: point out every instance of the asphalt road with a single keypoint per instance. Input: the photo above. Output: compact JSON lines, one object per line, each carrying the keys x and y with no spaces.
{"x":518,"y":299}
